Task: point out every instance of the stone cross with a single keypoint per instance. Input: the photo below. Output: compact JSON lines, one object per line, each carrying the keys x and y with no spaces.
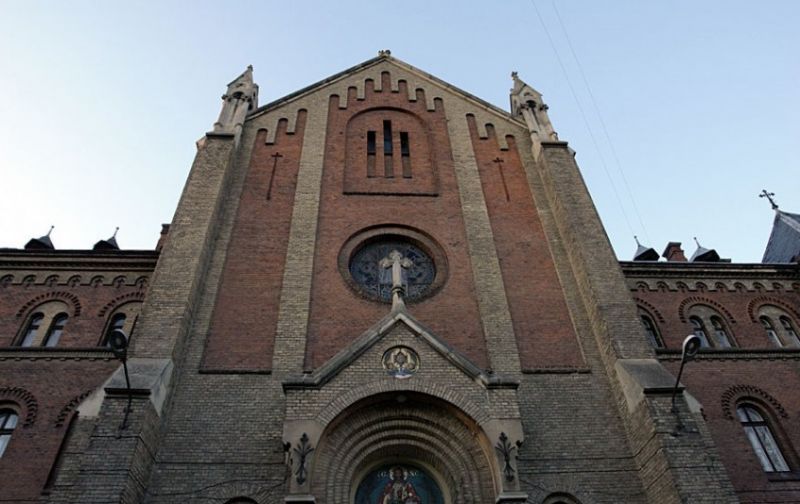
{"x":397,"y":262}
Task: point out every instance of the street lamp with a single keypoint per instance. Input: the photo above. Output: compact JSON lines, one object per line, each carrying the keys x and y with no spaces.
{"x":118,"y":342}
{"x":691,"y":345}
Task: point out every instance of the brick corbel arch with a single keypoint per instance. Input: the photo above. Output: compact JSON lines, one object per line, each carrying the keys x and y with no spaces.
{"x":696,"y":300}
{"x":120,"y":300}
{"x":649,"y":309}
{"x":754,"y":305}
{"x":738,"y":392}
{"x":25,"y":400}
{"x":67,"y":297}
{"x":68,"y":408}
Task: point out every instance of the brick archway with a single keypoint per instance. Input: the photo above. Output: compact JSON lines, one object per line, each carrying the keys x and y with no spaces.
{"x":409,"y":428}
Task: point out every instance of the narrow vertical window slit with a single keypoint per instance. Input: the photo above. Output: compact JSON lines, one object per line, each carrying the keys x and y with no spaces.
{"x":405,"y":152}
{"x":388,"y":162}
{"x":370,"y":153}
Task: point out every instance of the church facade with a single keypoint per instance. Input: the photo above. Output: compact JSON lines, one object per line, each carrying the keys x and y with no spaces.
{"x":381,"y":289}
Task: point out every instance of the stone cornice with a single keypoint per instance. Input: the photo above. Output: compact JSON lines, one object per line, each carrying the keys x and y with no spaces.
{"x":124,"y":260}
{"x":645,"y":269}
{"x":793,"y":354}
{"x":55,"y":354}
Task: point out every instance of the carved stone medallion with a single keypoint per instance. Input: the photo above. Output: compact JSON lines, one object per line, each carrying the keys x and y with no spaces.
{"x":400,"y":362}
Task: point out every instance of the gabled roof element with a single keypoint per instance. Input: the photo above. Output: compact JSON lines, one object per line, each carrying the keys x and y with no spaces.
{"x":644,"y":253}
{"x":41,"y":243}
{"x":373,"y":335}
{"x":703,"y":254}
{"x":784,"y":241}
{"x":110,"y":244}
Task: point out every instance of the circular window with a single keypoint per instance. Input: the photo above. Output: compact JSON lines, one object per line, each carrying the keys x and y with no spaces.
{"x":369,"y":259}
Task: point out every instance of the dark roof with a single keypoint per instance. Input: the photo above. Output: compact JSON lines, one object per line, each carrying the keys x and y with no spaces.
{"x":784,"y":241}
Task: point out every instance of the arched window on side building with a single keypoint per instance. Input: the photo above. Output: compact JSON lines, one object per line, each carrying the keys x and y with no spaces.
{"x":651,"y":330}
{"x":8,"y":422}
{"x":762,"y":438}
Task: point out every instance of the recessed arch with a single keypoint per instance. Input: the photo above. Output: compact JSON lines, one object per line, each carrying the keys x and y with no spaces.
{"x":407,"y":428}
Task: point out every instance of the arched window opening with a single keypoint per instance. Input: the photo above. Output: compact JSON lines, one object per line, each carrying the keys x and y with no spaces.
{"x":761,"y":439}
{"x":117,"y":323}
{"x":651,"y":331}
{"x":32,"y":330}
{"x":772,"y":336}
{"x":8,"y":422}
{"x":723,"y":339}
{"x":791,"y":333}
{"x":56,"y":329}
{"x":699,"y":330}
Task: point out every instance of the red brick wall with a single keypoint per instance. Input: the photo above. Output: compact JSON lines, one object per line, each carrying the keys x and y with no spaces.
{"x":245,"y":318}
{"x":735,"y":306}
{"x":719,"y":380}
{"x":338,"y":314}
{"x":709,"y":380}
{"x":88,"y":309}
{"x":545,"y":336}
{"x":53,"y":384}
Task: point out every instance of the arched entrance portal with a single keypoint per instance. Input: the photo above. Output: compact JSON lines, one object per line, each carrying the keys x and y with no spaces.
{"x":384,"y":442}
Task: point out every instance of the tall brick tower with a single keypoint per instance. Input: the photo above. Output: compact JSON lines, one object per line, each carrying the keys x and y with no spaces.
{"x":381,"y":289}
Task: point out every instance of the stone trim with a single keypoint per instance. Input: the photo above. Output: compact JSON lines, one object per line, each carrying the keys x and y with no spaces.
{"x":491,"y":292}
{"x":665,"y":354}
{"x":349,"y":354}
{"x":295,"y":300}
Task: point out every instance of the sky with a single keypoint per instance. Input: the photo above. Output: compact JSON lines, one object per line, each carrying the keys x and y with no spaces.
{"x":680,"y":112}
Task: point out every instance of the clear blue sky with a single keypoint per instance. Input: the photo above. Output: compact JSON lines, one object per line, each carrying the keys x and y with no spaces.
{"x":103,"y":101}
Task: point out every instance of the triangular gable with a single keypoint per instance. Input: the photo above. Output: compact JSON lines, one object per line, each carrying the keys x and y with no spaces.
{"x":376,"y":333}
{"x":399,"y":64}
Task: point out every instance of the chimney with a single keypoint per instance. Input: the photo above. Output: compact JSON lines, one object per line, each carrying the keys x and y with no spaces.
{"x":674,"y":252}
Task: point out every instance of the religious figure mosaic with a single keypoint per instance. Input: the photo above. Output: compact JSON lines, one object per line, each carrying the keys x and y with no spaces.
{"x":398,"y":484}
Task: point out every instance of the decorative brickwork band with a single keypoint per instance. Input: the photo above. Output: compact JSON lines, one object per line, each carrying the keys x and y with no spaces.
{"x":696,"y":300}
{"x":23,"y":398}
{"x":737,"y":392}
{"x":67,"y":297}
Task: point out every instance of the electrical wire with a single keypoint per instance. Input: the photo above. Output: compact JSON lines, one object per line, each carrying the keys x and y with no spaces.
{"x":585,"y":119}
{"x":602,"y":122}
